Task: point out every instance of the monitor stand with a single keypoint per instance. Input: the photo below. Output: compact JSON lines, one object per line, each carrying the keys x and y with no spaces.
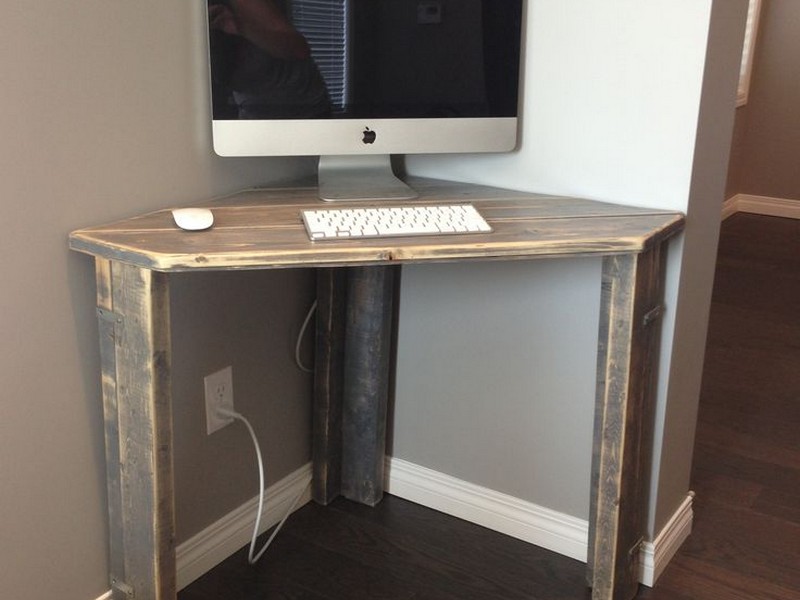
{"x":360,"y":177}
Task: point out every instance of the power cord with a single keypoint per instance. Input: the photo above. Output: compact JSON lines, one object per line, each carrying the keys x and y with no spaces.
{"x":252,"y":557}
{"x":300,"y":335}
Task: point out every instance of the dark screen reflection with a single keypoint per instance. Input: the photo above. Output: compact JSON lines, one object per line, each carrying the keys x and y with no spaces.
{"x":261,"y":66}
{"x":287,"y":59}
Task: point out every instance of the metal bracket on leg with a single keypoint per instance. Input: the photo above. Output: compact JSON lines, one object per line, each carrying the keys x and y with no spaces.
{"x":653,"y":315}
{"x":122,"y":590}
{"x":108,"y":316}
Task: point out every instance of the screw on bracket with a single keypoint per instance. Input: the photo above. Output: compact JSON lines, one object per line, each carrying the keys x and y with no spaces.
{"x":125,"y":591}
{"x":109,"y":316}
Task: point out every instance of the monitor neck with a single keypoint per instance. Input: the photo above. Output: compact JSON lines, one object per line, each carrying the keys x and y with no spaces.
{"x":360,"y":177}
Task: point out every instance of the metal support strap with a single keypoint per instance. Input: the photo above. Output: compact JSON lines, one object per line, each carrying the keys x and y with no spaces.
{"x":654,"y":314}
{"x":121,"y":590}
{"x":109,"y":316}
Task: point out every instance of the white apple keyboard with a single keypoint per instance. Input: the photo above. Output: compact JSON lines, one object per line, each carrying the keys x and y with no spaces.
{"x":393,"y":221}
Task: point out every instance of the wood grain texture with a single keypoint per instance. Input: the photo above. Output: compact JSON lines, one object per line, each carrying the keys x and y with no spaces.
{"x":745,"y":542}
{"x":370,"y":292}
{"x":142,"y":383}
{"x":631,"y":292}
{"x":328,"y":384}
{"x":616,"y":323}
{"x":109,"y":328}
{"x":263,"y":228}
{"x":395,"y":551}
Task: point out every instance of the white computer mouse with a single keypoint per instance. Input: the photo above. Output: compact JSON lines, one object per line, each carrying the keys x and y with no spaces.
{"x":193,"y":219}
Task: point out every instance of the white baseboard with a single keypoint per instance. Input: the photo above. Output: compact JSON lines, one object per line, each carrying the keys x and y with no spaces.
{"x":205,"y":550}
{"x":544,"y":527}
{"x":559,"y":532}
{"x":655,"y":555}
{"x":761,"y":205}
{"x":523,"y":520}
{"x":730,"y":207}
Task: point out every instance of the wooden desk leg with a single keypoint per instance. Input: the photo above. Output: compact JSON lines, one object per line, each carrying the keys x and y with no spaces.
{"x":133,"y":311}
{"x":328,"y":373}
{"x":627,"y":361}
{"x":366,"y":382}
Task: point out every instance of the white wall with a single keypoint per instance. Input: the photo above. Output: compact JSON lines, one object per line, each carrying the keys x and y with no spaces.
{"x":103,"y":115}
{"x":613,"y":93}
{"x":677,"y":408}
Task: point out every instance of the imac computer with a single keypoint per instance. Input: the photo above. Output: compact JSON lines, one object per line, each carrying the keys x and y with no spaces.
{"x":356,"y":81}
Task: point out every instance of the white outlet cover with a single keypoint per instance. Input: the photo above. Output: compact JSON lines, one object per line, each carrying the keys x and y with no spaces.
{"x":218,"y":393}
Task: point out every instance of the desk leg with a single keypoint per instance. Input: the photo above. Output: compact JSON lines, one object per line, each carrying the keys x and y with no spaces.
{"x":328,"y":372}
{"x":627,"y":359}
{"x":133,"y":311}
{"x":366,"y":382}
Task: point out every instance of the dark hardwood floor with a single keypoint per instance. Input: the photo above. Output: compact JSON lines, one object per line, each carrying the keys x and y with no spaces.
{"x":746,"y":539}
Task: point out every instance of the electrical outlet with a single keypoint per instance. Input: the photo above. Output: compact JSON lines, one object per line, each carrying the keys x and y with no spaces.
{"x":219,"y":394}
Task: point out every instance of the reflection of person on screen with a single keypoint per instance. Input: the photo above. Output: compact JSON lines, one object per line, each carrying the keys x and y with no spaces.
{"x":261,"y":64}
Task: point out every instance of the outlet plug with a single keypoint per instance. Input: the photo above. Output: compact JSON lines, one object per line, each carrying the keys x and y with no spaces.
{"x":219,"y":394}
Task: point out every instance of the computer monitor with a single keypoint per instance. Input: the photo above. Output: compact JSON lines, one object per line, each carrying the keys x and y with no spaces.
{"x":356,"y":81}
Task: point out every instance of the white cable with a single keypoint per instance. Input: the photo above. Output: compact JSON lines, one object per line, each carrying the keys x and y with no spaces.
{"x":300,"y":335}
{"x":253,"y":558}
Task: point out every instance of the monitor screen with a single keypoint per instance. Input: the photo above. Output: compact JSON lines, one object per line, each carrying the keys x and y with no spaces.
{"x":364,"y":77}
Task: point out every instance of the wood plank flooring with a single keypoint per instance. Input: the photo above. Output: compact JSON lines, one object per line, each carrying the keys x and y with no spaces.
{"x":746,"y":473}
{"x":746,"y":539}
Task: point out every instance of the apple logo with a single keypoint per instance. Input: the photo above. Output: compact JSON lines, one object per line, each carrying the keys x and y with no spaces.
{"x":369,"y":136}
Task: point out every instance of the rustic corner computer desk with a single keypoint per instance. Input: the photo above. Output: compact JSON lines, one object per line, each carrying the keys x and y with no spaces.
{"x":262,"y":229}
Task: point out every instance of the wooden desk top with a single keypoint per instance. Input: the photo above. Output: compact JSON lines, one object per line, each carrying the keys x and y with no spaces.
{"x":263,"y":228}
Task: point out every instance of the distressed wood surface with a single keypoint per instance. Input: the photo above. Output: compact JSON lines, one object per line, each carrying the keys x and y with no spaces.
{"x":626,"y":363}
{"x":109,"y":329}
{"x":263,"y":228}
{"x":366,"y":382}
{"x":133,"y":309}
{"x":328,"y":381}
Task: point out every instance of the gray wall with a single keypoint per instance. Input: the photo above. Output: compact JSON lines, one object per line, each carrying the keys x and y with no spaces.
{"x":103,"y":115}
{"x":496,"y":376}
{"x":249,"y":320}
{"x":633,"y":121}
{"x":767,"y":136}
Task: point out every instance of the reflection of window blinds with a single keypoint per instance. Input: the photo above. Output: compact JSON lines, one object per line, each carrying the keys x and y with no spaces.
{"x":324,"y":26}
{"x":747,"y":53}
